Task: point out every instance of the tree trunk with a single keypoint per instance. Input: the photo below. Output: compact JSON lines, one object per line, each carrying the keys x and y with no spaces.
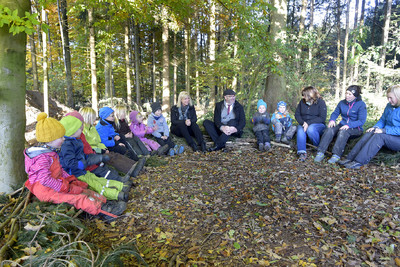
{"x":137,"y":64}
{"x":45,"y":67}
{"x":153,"y":74}
{"x":34,"y":63}
{"x":63,"y":19}
{"x":338,"y":14}
{"x":127,"y":64}
{"x":303,"y":13}
{"x":187,"y":56}
{"x":385,"y":37}
{"x":235,"y":49}
{"x":212,"y":54}
{"x":107,"y":72}
{"x":357,"y":62}
{"x":310,"y":55}
{"x":355,"y":37}
{"x":165,"y":64}
{"x":276,"y":84}
{"x":374,"y":23}
{"x":93,"y":69}
{"x":12,"y":101}
{"x":346,"y":41}
{"x":196,"y":58}
{"x":175,"y":70}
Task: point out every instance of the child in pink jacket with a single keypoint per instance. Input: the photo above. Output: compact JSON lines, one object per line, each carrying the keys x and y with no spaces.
{"x":50,"y":183}
{"x":139,"y":129}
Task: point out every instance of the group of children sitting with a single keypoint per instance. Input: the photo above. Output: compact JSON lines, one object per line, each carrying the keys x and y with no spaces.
{"x":70,"y":163}
{"x":281,"y":125}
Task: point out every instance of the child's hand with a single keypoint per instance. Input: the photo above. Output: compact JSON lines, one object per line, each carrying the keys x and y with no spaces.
{"x":129,"y":135}
{"x":121,"y":144}
{"x":331,"y":124}
{"x":117,"y":137}
{"x":164,"y":137}
{"x":155,"y":127}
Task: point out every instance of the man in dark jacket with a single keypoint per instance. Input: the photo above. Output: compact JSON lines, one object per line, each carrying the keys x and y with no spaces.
{"x":229,"y":120}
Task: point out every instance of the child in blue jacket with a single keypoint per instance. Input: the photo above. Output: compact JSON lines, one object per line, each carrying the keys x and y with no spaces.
{"x":386,"y":132}
{"x":354,"y":114}
{"x":282,"y":124}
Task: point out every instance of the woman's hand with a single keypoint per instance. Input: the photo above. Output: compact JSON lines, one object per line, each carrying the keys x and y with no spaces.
{"x":305,"y":126}
{"x":188,"y":122}
{"x":332,"y":124}
{"x":371,"y":130}
{"x":378,"y":130}
{"x":344,"y":127}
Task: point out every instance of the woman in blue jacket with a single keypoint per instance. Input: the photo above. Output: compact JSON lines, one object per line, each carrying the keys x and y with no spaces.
{"x":386,"y":132}
{"x":354,"y":114}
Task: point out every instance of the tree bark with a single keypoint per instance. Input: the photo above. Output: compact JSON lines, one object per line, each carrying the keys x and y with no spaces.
{"x":165,"y":63}
{"x":93,"y":69}
{"x":373,"y":30}
{"x":63,"y":19}
{"x":34,"y":63}
{"x":196,"y":58}
{"x":357,"y":62}
{"x":276,"y":84}
{"x":346,"y":41}
{"x":235,"y":50}
{"x":175,"y":71}
{"x":385,"y":37}
{"x":107,"y":72}
{"x":355,"y":37}
{"x":338,"y":52}
{"x":45,"y":67}
{"x":310,"y":55}
{"x":127,"y":64}
{"x":153,"y":74}
{"x":137,"y":64}
{"x":212,"y":54}
{"x":12,"y":101}
{"x":303,"y":13}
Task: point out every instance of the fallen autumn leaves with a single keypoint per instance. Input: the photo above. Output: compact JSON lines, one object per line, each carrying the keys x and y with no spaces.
{"x":260,"y":208}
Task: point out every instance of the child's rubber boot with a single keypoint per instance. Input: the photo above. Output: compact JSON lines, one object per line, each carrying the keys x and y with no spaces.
{"x":278,"y":138}
{"x":162,"y":150}
{"x":267,"y":146}
{"x":261,"y":146}
{"x":285,"y":140}
{"x":111,"y":209}
{"x":123,"y":196}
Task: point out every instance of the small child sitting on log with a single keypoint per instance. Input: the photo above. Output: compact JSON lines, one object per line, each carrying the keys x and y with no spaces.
{"x":282,"y":124}
{"x":261,"y":122}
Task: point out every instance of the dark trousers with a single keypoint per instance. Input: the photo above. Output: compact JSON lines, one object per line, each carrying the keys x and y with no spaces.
{"x":262,"y":136}
{"x":216,"y":135}
{"x":370,"y":144}
{"x":167,"y":141}
{"x":106,"y":172}
{"x":125,"y":150}
{"x":137,"y":145}
{"x":341,"y":140}
{"x":187,"y":132}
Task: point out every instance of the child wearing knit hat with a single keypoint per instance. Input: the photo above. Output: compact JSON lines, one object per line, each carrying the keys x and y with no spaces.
{"x":261,"y":122}
{"x":50,"y":183}
{"x":74,"y":162}
{"x":282,"y":124}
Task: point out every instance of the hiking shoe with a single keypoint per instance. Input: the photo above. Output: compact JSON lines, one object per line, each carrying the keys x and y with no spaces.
{"x":267,"y":146}
{"x":178,"y":149}
{"x":203,"y":147}
{"x":194,"y":147}
{"x":139,"y":167}
{"x":353,"y":165}
{"x":278,"y":138}
{"x":127,"y":186}
{"x":302,"y":156}
{"x":285,"y":141}
{"x":171,"y":152}
{"x":123,"y":196}
{"x":334,"y":159}
{"x":319,"y":157}
{"x":114,"y":207}
{"x":261,"y":147}
{"x":162,"y":150}
{"x":343,"y":161}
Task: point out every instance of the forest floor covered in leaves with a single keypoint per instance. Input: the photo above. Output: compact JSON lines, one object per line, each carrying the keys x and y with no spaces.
{"x":247,"y":207}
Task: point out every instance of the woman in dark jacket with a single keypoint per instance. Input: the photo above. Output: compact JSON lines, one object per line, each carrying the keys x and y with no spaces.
{"x":311,"y":116}
{"x":184,"y":122}
{"x":354,"y":114}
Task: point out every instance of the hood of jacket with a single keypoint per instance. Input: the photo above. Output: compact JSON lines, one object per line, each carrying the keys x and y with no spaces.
{"x":133,"y":116}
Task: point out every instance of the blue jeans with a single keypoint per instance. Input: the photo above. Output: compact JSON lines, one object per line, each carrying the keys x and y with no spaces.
{"x":314,"y":132}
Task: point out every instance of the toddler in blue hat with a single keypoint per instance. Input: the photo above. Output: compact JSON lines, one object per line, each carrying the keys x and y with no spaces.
{"x":261,"y":121}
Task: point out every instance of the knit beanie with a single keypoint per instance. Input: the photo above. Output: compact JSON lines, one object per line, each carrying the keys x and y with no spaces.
{"x":261,"y":103}
{"x":355,"y":90}
{"x":71,"y":125}
{"x":155,"y":106}
{"x":48,"y":129}
{"x":104,"y":112}
{"x":281,"y":103}
{"x":75,"y":114}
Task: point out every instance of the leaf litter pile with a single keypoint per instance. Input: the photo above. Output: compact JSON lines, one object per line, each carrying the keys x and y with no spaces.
{"x":247,"y":207}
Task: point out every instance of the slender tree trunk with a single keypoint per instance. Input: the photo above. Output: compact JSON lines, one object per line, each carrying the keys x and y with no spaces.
{"x":187,"y":56}
{"x":137,"y":64}
{"x":276,"y":83}
{"x":385,"y":37}
{"x":165,"y":63}
{"x":63,"y":19}
{"x":93,"y":69}
{"x":196,"y":58}
{"x":338,"y":14}
{"x":12,"y":101}
{"x":374,"y":23}
{"x":303,"y":13}
{"x":45,"y":67}
{"x":310,"y":55}
{"x":212,"y":53}
{"x":153,"y":74}
{"x":127,"y":64}
{"x":34,"y":63}
{"x":355,"y":37}
{"x":357,"y":62}
{"x":175,"y":71}
{"x":235,"y":49}
{"x":345,"y":48}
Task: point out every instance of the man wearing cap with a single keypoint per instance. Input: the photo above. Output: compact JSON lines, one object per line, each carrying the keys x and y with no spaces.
{"x":229,"y":120}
